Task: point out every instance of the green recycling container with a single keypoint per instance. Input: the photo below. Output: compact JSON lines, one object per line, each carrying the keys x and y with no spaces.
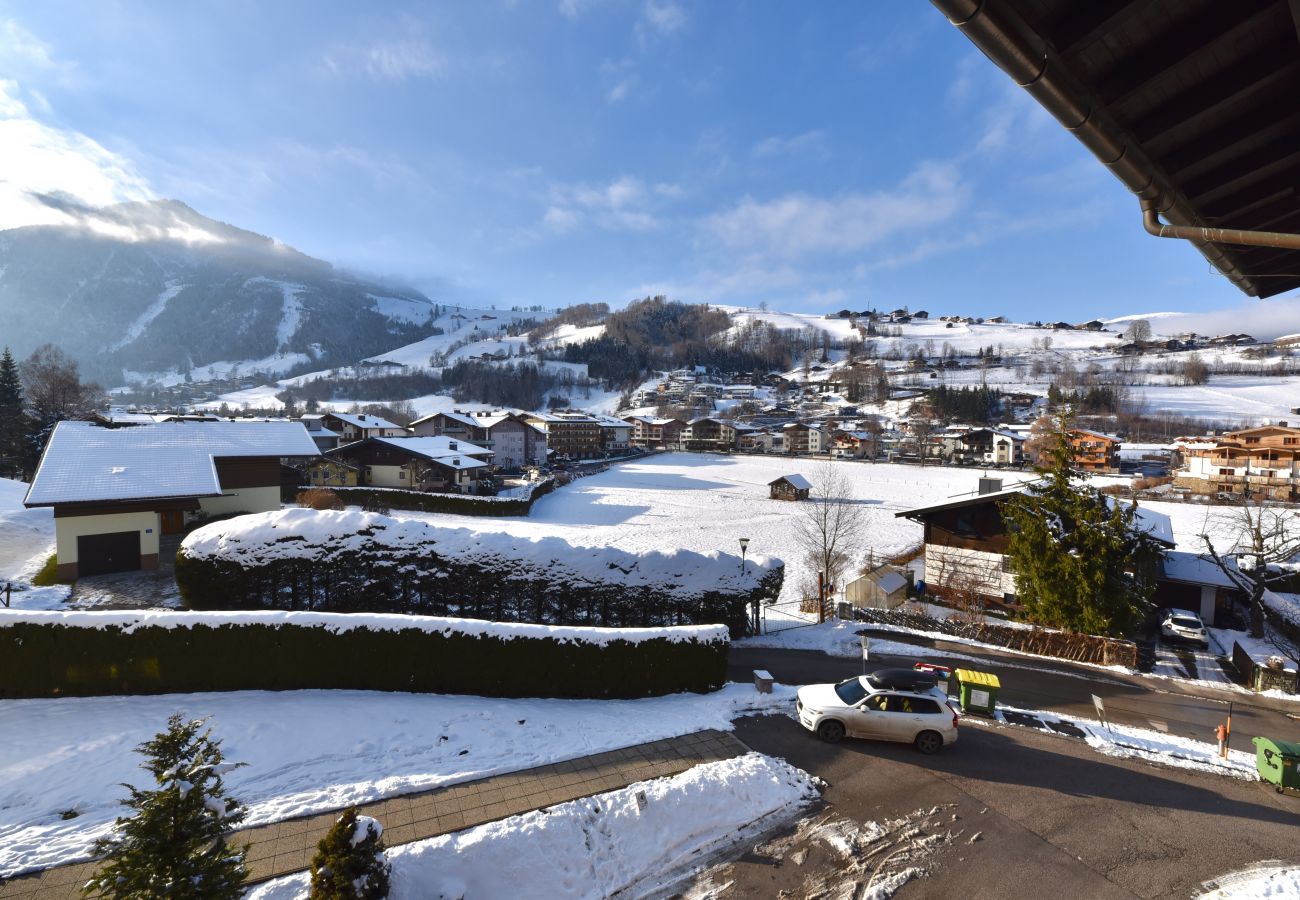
{"x":1278,"y":762}
{"x":977,"y":691}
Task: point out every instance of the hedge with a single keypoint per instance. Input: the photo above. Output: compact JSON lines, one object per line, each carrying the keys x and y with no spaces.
{"x":452,"y":504}
{"x":372,"y":563}
{"x":49,"y":659}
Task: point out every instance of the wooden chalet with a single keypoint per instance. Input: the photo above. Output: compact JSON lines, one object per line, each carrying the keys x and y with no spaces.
{"x":789,"y":487}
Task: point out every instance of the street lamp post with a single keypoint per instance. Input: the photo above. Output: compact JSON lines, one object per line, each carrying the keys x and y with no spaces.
{"x":744,"y":545}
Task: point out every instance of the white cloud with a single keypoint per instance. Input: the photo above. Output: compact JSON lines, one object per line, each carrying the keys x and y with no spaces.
{"x":800,"y":225}
{"x":810,"y":143}
{"x":618,"y":93}
{"x":1262,"y":319}
{"x":624,"y":204}
{"x":408,"y":55}
{"x":18,"y":46}
{"x":42,"y":159}
{"x":664,"y":16}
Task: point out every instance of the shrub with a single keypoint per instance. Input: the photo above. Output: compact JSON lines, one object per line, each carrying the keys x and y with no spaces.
{"x":319,"y":498}
{"x":349,"y":861}
{"x":49,"y":573}
{"x":174,"y":845}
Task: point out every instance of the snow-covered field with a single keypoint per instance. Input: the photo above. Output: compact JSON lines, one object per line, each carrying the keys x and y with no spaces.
{"x":705,"y":502}
{"x":598,"y":846}
{"x":26,"y":542}
{"x":1266,"y":879}
{"x":308,"y":751}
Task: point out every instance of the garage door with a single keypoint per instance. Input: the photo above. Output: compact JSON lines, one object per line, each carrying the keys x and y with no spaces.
{"x":100,"y":554}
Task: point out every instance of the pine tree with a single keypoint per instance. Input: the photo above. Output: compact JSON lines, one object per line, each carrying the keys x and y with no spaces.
{"x":13,"y":425}
{"x":174,"y":844}
{"x":1081,"y":561}
{"x":349,"y":862}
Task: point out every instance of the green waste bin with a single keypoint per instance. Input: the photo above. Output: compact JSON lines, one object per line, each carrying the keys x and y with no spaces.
{"x":977,"y":691}
{"x":1278,"y":762}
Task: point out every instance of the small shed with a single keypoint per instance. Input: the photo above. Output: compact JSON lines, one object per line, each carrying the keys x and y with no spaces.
{"x":789,"y":487}
{"x":881,"y":588}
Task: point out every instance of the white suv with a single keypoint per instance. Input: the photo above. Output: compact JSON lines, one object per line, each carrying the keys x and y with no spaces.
{"x":888,"y":705}
{"x":1179,"y":624}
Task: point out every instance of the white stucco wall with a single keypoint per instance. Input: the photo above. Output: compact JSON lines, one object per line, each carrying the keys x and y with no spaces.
{"x":984,"y":570}
{"x":67,"y":530}
{"x":386,"y":476}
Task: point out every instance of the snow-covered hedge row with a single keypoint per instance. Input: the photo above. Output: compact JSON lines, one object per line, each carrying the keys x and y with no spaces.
{"x":351,"y":561}
{"x":452,"y":504}
{"x":45,"y":654}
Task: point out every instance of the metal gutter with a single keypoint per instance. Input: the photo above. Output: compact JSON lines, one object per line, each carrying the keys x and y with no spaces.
{"x":1005,"y":38}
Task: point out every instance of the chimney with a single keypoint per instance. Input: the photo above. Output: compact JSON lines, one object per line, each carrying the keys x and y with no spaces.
{"x":451,"y":445}
{"x":361,"y":417}
{"x":990,"y":485}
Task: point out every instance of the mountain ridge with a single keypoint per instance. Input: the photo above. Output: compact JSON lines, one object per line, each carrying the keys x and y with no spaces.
{"x":156,"y":286}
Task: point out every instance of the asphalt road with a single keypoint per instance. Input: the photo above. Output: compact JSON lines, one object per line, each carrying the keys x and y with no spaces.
{"x":1054,"y":818}
{"x":1176,"y":707}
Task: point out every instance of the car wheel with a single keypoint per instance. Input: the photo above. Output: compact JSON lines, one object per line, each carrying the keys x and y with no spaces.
{"x":928,"y":742}
{"x":830,"y":731}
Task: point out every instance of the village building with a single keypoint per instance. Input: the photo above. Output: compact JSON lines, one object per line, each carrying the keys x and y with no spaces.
{"x":988,"y":447}
{"x":1094,"y":451}
{"x":434,"y":464}
{"x":515,"y":443}
{"x":569,"y":434}
{"x":855,"y":445}
{"x":615,"y":434}
{"x":332,"y":473}
{"x":650,"y":433}
{"x":123,"y":496}
{"x":1262,"y":462}
{"x":324,"y":438}
{"x":358,"y":426}
{"x":709,"y":434}
{"x":966,"y":542}
{"x":789,"y":487}
{"x":801,"y":437}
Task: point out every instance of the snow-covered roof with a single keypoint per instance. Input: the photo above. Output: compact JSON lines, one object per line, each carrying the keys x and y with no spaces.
{"x":440,"y":448}
{"x":84,"y":463}
{"x":888,"y":581}
{"x":365,"y":420}
{"x":611,"y":422}
{"x":795,"y":480}
{"x":1196,"y":568}
{"x":1152,"y":523}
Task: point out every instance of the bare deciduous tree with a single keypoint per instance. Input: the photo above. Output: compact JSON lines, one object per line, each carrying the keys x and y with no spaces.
{"x":831,"y":523}
{"x":1264,"y":536}
{"x":1138,"y":330}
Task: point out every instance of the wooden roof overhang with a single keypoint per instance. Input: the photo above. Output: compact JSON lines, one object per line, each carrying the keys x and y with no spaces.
{"x":1190,"y":104}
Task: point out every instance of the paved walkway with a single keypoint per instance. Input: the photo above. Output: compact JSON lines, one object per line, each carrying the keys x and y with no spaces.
{"x":286,"y":847}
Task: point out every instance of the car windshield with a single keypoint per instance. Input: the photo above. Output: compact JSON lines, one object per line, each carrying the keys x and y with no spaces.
{"x":851,"y":691}
{"x":1183,"y":622}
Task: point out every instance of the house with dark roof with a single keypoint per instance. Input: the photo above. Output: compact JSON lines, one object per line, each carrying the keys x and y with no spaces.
{"x":966,"y":541}
{"x":515,"y":442}
{"x":357,"y":426}
{"x":121,"y":494}
{"x":430,"y":463}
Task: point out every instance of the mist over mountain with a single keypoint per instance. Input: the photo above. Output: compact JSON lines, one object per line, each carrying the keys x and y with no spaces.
{"x":155,"y":286}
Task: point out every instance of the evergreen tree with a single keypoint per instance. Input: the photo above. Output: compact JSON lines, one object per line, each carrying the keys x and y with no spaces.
{"x":13,"y":426}
{"x":349,"y":862}
{"x":174,"y":845}
{"x":1081,"y":561}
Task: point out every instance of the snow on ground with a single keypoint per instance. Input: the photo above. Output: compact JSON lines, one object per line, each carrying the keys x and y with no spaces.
{"x":705,"y":502}
{"x":598,"y":846}
{"x":1226,"y":398}
{"x":26,"y":542}
{"x":1131,"y":742}
{"x":308,"y":751}
{"x":1266,"y":879}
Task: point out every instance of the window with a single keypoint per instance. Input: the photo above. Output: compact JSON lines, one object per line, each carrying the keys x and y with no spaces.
{"x":401,"y":473}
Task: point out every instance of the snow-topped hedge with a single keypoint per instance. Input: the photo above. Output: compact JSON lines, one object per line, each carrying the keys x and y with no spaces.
{"x":83,"y":653}
{"x":351,"y":561}
{"x":451,"y":504}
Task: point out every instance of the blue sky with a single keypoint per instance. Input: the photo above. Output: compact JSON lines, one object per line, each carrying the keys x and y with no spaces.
{"x":811,"y":156}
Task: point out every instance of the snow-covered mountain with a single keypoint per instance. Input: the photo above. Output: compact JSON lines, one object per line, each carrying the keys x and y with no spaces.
{"x":155,"y":286}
